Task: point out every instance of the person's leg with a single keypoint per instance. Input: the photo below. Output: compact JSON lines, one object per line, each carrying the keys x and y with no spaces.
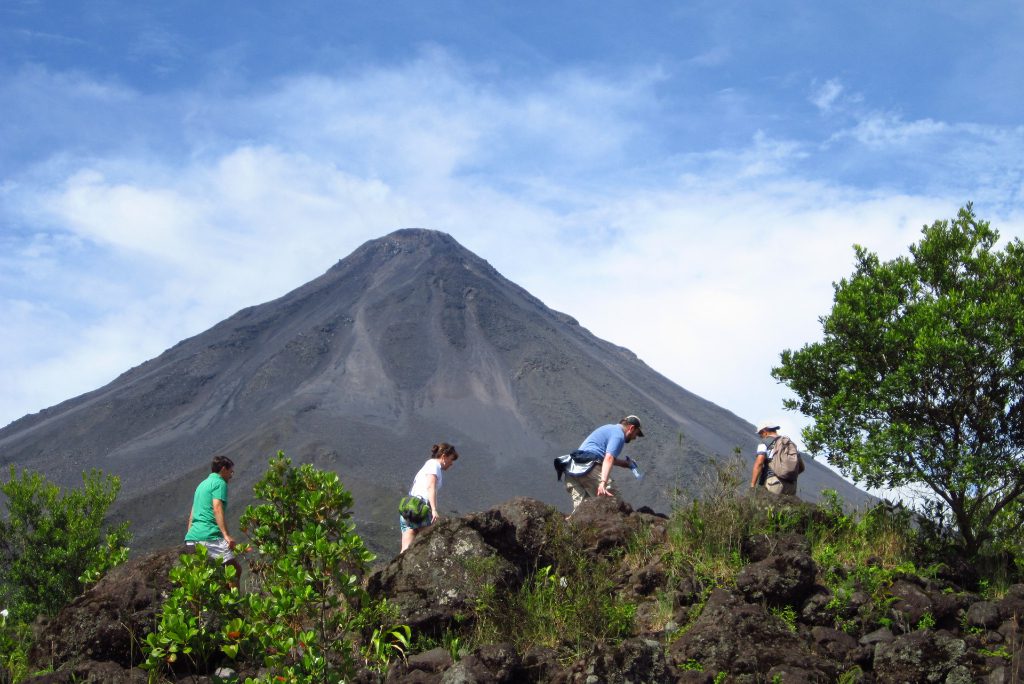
{"x":408,"y":532}
{"x":407,"y":537}
{"x":590,"y":481}
{"x":583,"y":487}
{"x":576,"y":491}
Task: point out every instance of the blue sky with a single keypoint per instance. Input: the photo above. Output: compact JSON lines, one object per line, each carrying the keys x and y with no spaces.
{"x":638,"y":165}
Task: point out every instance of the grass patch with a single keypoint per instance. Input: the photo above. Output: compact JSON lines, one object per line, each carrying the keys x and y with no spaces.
{"x":568,"y":606}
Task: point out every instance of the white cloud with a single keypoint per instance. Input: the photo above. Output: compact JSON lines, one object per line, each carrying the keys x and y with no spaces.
{"x":698,"y":263}
{"x":131,"y":251}
{"x":886,"y":130}
{"x":825,"y":97}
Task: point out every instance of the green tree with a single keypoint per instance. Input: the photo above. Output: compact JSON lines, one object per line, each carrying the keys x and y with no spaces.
{"x":309,"y":562}
{"x":53,"y":542}
{"x":306,"y":602}
{"x":919,"y":377}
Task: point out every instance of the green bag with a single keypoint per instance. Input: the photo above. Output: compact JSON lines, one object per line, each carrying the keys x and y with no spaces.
{"x":414,"y":509}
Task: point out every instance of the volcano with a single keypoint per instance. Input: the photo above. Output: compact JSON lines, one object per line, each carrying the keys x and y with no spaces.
{"x":410,"y":340}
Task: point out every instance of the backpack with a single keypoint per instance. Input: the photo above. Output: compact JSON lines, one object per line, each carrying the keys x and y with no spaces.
{"x":786,"y":462}
{"x":414,"y":509}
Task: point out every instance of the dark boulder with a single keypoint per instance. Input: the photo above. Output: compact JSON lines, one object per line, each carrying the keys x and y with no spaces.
{"x":983,"y":614}
{"x":922,"y":656}
{"x":438,"y":579}
{"x":745,"y":639}
{"x":833,"y":644}
{"x":605,"y":523}
{"x":109,"y":621}
{"x":521,"y":530}
{"x":879,"y":636}
{"x":421,"y":668}
{"x":492,"y":663}
{"x":758,"y":547}
{"x":818,"y":609}
{"x":646,"y":580}
{"x":540,"y":664}
{"x":634,"y":660}
{"x":948,"y":605}
{"x":910,"y":604}
{"x":783,"y":578}
{"x":1011,"y":606}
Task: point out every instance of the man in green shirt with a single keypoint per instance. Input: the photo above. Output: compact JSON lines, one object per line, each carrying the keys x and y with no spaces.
{"x":207,"y":521}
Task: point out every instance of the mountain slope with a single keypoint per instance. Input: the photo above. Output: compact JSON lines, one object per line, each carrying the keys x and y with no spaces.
{"x":410,"y":340}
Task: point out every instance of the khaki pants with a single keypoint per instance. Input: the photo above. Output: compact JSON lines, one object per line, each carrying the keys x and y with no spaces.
{"x":777,"y":486}
{"x":585,"y":486}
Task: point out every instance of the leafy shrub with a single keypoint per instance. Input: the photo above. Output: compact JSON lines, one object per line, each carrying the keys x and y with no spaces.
{"x":306,"y":602}
{"x":199,"y":619}
{"x":54,"y":541}
{"x":308,"y":565}
{"x":927,"y":621}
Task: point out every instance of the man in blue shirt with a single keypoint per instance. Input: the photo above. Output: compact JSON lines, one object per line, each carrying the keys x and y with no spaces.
{"x":602,"y":447}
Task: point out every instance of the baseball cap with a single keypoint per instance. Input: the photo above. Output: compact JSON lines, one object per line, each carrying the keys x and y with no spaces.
{"x":634,"y":421}
{"x":766,"y":425}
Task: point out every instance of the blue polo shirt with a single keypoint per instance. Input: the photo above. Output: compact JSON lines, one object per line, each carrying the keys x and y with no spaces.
{"x":607,"y":439}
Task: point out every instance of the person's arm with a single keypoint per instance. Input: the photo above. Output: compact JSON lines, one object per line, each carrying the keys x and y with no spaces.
{"x":218,"y":514}
{"x":188,"y":525}
{"x":755,"y":476}
{"x":606,"y":470}
{"x":432,"y":497}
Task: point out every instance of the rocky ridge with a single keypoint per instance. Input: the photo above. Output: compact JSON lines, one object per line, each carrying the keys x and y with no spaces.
{"x":937,"y":629}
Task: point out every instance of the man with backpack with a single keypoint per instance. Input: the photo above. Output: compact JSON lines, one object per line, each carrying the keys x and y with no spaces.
{"x":778,"y":463}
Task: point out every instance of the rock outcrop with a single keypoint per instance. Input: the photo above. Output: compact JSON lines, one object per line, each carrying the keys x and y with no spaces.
{"x":935,"y":631}
{"x":97,"y":637}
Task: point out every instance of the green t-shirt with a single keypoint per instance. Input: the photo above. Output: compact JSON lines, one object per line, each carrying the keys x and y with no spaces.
{"x":204,"y":524}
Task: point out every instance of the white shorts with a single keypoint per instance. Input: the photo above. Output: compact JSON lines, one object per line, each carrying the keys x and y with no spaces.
{"x":216,"y":548}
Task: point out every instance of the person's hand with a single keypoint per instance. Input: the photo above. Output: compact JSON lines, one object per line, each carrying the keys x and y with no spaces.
{"x":602,"y":490}
{"x":230,"y":540}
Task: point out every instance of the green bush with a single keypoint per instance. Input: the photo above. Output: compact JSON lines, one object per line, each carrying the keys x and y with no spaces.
{"x":308,"y":565}
{"x":200,"y":618}
{"x":53,"y":542}
{"x":305,"y":604}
